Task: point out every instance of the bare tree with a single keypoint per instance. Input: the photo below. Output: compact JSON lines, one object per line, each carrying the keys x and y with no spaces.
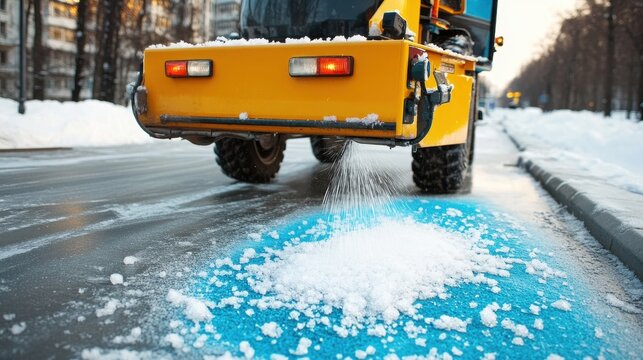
{"x":586,"y":68}
{"x":108,"y":40}
{"x":184,"y":12}
{"x":38,"y":54}
{"x":609,"y":59}
{"x":81,"y":39}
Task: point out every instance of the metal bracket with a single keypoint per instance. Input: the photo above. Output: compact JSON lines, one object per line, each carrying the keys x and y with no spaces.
{"x":432,"y":98}
{"x":140,"y":98}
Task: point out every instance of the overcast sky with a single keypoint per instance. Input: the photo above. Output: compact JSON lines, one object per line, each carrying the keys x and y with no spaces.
{"x":525,"y":25}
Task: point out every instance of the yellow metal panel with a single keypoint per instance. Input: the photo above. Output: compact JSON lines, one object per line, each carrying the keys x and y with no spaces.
{"x":255,"y":80}
{"x":450,"y":122}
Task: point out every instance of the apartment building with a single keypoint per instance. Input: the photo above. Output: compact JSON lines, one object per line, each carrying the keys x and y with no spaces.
{"x":9,"y":12}
{"x":226,"y":17}
{"x":59,"y":39}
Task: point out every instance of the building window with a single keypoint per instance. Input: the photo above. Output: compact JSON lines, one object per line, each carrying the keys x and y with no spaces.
{"x":3,"y":5}
{"x":3,"y":57}
{"x":3,"y":29}
{"x":63,"y":10}
{"x":59,"y":83}
{"x":163,"y":22}
{"x":61,"y":34}
{"x":228,"y":8}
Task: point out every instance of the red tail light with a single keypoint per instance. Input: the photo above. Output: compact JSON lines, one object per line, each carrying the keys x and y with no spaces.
{"x":321,"y":66}
{"x":334,"y":66}
{"x":176,"y":69}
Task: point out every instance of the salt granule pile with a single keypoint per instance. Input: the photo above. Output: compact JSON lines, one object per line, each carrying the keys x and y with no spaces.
{"x":376,"y":272}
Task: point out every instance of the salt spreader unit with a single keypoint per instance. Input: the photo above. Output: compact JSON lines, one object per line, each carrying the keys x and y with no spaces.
{"x":389,"y":72}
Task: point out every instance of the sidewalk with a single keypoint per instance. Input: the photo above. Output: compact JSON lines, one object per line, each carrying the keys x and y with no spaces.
{"x":611,"y":213}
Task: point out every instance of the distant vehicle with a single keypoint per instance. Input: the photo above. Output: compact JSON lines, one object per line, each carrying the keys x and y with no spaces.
{"x":390,"y":86}
{"x":514,"y":99}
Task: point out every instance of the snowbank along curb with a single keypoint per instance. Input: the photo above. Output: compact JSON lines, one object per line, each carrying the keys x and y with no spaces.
{"x":623,"y":240}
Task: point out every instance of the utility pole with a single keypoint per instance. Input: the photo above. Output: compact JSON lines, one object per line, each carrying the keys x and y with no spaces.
{"x":22,"y":59}
{"x":609,"y":60}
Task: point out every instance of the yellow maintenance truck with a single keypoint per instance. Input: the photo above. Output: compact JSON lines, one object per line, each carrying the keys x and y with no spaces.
{"x":389,"y":72}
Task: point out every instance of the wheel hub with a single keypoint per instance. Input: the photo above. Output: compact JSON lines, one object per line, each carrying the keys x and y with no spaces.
{"x":267,"y":148}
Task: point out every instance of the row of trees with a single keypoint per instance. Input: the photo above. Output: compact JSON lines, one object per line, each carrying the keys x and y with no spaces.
{"x":594,"y":63}
{"x":110,"y":36}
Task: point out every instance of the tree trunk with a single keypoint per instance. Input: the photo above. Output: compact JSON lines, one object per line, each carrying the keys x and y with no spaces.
{"x":38,"y":54}
{"x":27,"y":16}
{"x":80,"y":49}
{"x":98,"y":39}
{"x":109,"y":48}
{"x":640,"y":103}
{"x":609,"y":63}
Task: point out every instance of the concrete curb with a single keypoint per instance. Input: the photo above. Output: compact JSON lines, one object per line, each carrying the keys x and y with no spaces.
{"x":623,"y":240}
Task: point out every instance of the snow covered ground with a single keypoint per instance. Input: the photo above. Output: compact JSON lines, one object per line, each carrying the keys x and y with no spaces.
{"x":609,"y":148}
{"x":67,"y":124}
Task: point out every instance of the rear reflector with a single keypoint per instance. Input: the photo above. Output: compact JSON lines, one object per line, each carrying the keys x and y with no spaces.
{"x":321,"y":66}
{"x":188,"y":68}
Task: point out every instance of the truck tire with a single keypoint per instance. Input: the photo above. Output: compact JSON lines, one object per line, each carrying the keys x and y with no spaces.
{"x":441,"y":169}
{"x":327,"y":149}
{"x":471,"y":141}
{"x":251,"y":161}
{"x":462,"y":44}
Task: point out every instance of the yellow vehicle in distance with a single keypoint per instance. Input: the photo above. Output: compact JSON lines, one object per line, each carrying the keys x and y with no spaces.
{"x":388,"y":72}
{"x":514,"y":99}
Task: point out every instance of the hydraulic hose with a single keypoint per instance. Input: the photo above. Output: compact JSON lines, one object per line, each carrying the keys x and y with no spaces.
{"x":427,"y":116}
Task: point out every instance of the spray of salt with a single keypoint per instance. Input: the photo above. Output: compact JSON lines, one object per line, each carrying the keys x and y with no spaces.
{"x":363,"y":188}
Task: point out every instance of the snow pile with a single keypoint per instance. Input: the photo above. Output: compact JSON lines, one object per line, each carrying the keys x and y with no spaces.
{"x":370,"y":119}
{"x":449,"y":323}
{"x":488,"y":315}
{"x":271,"y":329}
{"x":109,"y":308}
{"x":562,"y":305}
{"x":366,"y":275}
{"x":66,"y":124}
{"x":609,"y":148}
{"x":247,"y":350}
{"x":222,"y":41}
{"x":17,"y":329}
{"x":120,"y":354}
{"x":116,"y":279}
{"x":194,"y":309}
{"x":625,"y":306}
{"x":133,"y":337}
{"x":175,"y":340}
{"x":130,"y":260}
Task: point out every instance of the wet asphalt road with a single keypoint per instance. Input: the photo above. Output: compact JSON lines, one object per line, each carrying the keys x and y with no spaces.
{"x":68,"y":218}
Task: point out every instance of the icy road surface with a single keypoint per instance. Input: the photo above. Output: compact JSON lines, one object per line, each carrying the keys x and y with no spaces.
{"x":149,"y":252}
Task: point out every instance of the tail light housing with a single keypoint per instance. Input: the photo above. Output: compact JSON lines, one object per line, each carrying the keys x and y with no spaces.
{"x":321,"y":66}
{"x":188,"y":68}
